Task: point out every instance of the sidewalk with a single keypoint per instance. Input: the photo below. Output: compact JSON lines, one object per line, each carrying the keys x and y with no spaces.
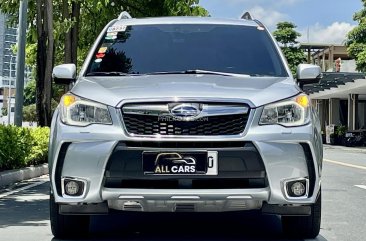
{"x":12,"y":176}
{"x":361,"y":149}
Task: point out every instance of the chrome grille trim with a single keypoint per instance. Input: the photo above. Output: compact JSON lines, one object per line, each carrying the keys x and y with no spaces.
{"x":163,"y":109}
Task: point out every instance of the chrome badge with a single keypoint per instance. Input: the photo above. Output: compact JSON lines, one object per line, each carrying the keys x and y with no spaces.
{"x":185,"y":110}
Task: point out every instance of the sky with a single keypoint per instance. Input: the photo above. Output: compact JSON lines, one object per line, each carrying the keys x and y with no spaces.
{"x":326,"y":21}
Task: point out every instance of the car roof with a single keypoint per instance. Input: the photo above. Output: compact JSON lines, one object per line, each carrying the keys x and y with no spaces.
{"x":185,"y":20}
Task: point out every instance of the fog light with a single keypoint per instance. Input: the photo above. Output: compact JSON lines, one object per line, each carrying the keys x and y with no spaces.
{"x":72,"y":188}
{"x":298,"y":189}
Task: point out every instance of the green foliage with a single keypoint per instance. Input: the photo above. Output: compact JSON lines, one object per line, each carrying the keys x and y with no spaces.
{"x":4,"y":111}
{"x":341,"y":130}
{"x":356,"y":45}
{"x":29,"y":113}
{"x":15,"y":145}
{"x":294,"y":57}
{"x":30,"y":93}
{"x":184,"y":8}
{"x":286,"y":35}
{"x":356,"y":39}
{"x":39,"y":150}
{"x":20,"y":147}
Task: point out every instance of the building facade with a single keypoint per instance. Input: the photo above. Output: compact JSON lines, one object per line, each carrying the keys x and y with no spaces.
{"x":8,"y":38}
{"x":340,"y":96}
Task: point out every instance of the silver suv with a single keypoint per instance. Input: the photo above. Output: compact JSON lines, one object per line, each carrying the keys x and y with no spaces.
{"x":185,"y":114}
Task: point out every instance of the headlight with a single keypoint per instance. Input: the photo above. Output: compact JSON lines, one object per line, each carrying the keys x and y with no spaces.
{"x":81,"y":112}
{"x":290,"y":112}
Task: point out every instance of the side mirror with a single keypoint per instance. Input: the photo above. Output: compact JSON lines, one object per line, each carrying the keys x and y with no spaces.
{"x":308,"y":74}
{"x":64,"y":74}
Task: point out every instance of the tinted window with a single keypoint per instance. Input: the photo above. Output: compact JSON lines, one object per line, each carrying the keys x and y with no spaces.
{"x":144,"y":49}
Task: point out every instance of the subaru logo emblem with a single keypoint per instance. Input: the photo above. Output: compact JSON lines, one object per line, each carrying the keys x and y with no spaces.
{"x":186,"y":110}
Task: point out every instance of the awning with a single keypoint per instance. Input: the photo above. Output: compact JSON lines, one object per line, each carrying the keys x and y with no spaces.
{"x":338,"y":85}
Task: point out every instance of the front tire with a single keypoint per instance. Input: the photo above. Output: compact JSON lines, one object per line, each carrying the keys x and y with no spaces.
{"x":67,"y":226}
{"x":304,"y":226}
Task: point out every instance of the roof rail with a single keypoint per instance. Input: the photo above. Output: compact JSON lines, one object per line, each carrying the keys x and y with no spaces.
{"x":124,"y":15}
{"x":247,"y":16}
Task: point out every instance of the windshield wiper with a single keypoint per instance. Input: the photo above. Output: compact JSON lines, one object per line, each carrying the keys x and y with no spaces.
{"x":108,"y":74}
{"x":198,"y":71}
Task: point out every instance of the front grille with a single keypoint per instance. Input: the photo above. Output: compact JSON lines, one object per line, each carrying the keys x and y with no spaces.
{"x":208,"y":126}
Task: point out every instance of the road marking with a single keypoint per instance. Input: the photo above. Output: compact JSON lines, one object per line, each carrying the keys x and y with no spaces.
{"x":361,"y":186}
{"x":345,"y":164}
{"x":22,"y":189}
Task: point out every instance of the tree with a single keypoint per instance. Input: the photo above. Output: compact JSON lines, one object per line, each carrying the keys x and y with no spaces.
{"x":45,"y":60}
{"x":29,"y":113}
{"x":65,"y":30}
{"x":41,"y":13}
{"x":30,"y":93}
{"x":286,"y":35}
{"x":356,"y":39}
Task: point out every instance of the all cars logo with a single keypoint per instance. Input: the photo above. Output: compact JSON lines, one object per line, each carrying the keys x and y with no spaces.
{"x":174,"y":163}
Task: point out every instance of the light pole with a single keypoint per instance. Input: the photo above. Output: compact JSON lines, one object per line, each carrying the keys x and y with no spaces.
{"x":19,"y":98}
{"x":10,"y":80}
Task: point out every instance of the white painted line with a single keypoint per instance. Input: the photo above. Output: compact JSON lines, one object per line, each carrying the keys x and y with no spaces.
{"x":22,"y":189}
{"x":345,"y":164}
{"x":361,"y":186}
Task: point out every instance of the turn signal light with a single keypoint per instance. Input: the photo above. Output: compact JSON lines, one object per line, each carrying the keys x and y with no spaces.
{"x":68,"y":100}
{"x":303,"y":100}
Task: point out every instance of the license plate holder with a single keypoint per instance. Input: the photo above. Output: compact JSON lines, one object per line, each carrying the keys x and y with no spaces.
{"x":179,"y":163}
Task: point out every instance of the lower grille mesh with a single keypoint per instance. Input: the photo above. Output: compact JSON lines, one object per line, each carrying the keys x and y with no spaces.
{"x":210,"y":126}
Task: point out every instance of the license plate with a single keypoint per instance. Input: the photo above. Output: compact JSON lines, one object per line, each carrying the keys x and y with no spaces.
{"x":180,"y":163}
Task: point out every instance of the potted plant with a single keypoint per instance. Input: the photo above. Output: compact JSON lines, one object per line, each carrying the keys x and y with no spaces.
{"x":340,"y":132}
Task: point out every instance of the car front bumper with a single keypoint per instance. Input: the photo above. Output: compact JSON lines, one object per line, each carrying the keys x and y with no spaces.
{"x":89,"y":149}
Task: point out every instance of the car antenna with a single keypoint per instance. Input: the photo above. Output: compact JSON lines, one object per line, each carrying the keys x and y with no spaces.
{"x":124,"y":15}
{"x":247,"y":16}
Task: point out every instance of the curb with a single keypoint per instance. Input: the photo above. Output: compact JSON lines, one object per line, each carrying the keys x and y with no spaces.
{"x":13,"y":176}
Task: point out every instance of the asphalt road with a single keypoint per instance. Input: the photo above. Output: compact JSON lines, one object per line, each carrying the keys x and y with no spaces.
{"x":24,"y":213}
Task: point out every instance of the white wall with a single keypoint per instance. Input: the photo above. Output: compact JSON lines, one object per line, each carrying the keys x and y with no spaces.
{"x":348,"y":66}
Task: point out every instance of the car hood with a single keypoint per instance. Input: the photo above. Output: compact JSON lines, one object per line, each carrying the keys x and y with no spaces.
{"x":257,"y":91}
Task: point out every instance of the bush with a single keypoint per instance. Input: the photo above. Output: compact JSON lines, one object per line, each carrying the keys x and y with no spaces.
{"x":15,"y":145}
{"x":39,"y":150}
{"x":20,"y":147}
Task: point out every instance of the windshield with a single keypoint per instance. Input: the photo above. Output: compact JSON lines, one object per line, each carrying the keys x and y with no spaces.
{"x":147,"y":49}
